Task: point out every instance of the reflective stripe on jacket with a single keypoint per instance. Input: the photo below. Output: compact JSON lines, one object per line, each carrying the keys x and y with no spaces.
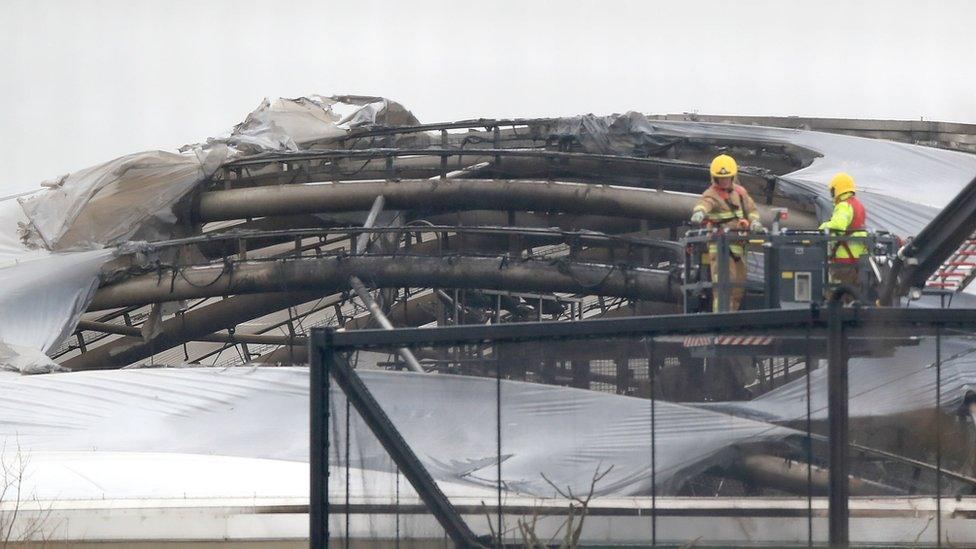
{"x":724,"y":209}
{"x":848,"y":219}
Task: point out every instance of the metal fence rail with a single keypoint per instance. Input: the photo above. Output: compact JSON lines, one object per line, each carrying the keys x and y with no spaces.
{"x":835,"y":325}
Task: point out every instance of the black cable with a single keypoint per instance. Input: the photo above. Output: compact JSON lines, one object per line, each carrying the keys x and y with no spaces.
{"x":217,"y":356}
{"x":651,"y":374}
{"x":238,"y":349}
{"x":498,"y":439}
{"x":809,"y":428}
{"x":396,"y":509}
{"x":172,"y":280}
{"x":938,"y":435}
{"x":354,"y":172}
{"x":564,"y":266}
{"x":348,"y":437}
{"x":227,"y":266}
{"x":471,"y":139}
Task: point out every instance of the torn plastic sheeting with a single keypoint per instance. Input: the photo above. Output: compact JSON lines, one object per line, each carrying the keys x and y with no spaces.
{"x":625,"y":134}
{"x":882,"y":386}
{"x":110,"y":202}
{"x":13,"y":221}
{"x":25,"y":360}
{"x":565,"y":433}
{"x":374,"y":111}
{"x":889,"y":175}
{"x":280,"y":124}
{"x":101,"y":475}
{"x":287,"y":124}
{"x":88,"y":475}
{"x":116,"y":200}
{"x":133,"y":196}
{"x":129,"y":197}
{"x":44,"y":295}
{"x":448,"y":420}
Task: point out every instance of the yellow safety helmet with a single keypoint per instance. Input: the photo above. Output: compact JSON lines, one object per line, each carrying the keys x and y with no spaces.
{"x":723,"y":165}
{"x":840,"y":184}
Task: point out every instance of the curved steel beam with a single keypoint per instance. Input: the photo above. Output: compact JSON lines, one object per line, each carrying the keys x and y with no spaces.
{"x":499,"y":158}
{"x":560,"y":156}
{"x":388,"y":272}
{"x":459,"y":194}
{"x":135,"y":331}
{"x":192,"y":325}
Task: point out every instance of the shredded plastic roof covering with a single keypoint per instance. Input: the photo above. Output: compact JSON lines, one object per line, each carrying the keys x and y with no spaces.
{"x":99,"y":475}
{"x":42,"y":296}
{"x":289,"y":124}
{"x":111,"y":202}
{"x":134,"y":196}
{"x":904,"y":382}
{"x":239,"y":412}
{"x":263,"y":413}
{"x":131,"y":197}
{"x":901,"y":185}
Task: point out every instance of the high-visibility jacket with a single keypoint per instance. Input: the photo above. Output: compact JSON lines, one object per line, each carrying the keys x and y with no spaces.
{"x":725,"y":208}
{"x":848,"y":219}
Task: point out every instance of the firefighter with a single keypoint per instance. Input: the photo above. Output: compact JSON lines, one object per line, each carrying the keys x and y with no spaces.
{"x":848,"y":219}
{"x":727,"y":205}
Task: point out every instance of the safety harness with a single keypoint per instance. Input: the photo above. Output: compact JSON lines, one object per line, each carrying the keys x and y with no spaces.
{"x":857,"y":224}
{"x":737,"y":213}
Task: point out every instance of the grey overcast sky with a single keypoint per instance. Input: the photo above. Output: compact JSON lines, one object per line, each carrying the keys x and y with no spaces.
{"x":84,"y":81}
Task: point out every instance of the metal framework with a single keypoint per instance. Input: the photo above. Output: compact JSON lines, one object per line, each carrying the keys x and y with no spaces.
{"x":923,"y":257}
{"x":491,"y":230}
{"x":838,"y":325}
{"x":282,"y":226}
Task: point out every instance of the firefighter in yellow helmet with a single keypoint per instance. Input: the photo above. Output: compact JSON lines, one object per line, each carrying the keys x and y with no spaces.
{"x":727,"y":205}
{"x":848,"y":219}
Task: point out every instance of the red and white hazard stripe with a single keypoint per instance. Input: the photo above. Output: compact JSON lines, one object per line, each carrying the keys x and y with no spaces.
{"x":743,"y":340}
{"x":698,"y":341}
{"x":703,"y":341}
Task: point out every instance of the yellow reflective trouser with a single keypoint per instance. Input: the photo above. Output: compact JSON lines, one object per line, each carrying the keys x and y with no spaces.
{"x":736,"y":275}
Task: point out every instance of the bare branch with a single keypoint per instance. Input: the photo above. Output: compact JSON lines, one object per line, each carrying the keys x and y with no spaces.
{"x":567,"y":541}
{"x":491,"y":529}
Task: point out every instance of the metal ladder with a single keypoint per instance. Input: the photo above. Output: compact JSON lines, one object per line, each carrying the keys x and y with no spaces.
{"x":957,"y":271}
{"x":942,"y":257}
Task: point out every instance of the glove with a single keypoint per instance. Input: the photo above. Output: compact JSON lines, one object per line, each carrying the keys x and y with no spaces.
{"x":757,"y":226}
{"x":698,"y":217}
{"x":743,"y":225}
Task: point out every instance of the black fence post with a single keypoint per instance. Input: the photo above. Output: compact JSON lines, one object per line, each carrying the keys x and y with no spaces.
{"x":837,"y":406}
{"x":373,"y":415}
{"x":322,"y":358}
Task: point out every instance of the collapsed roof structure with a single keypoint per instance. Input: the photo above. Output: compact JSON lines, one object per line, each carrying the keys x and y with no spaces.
{"x":347,"y":211}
